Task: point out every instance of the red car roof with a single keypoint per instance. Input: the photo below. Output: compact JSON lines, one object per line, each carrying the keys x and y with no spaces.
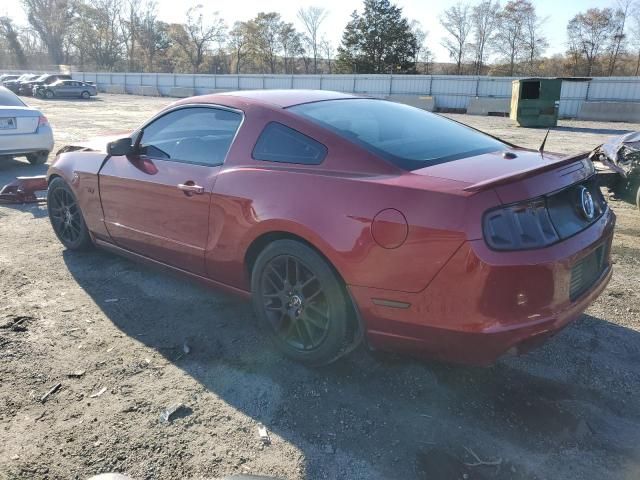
{"x":281,"y":98}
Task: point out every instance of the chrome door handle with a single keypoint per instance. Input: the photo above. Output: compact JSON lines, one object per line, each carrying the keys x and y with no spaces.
{"x":187,"y":188}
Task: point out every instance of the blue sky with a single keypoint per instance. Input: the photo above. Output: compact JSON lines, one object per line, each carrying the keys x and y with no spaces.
{"x":558,"y":13}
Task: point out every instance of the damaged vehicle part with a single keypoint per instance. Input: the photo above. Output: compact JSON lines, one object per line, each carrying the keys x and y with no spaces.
{"x":25,"y":190}
{"x":618,"y":165}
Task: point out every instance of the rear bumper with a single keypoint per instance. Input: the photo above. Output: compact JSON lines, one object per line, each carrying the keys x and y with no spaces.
{"x":484,"y":304}
{"x":20,"y":144}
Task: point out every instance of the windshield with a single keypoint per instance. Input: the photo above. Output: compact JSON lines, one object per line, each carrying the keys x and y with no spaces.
{"x":409,"y":137}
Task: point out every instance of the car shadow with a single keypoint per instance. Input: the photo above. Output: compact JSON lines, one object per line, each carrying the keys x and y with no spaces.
{"x":382,"y":415}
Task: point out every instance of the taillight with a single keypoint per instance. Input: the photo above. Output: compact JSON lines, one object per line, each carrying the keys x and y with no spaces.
{"x":519,"y":227}
{"x":42,"y":121}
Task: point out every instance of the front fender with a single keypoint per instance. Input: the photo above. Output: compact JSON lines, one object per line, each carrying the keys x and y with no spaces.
{"x":79,"y":169}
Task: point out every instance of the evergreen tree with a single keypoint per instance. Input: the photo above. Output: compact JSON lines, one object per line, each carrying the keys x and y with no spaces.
{"x":378,"y":41}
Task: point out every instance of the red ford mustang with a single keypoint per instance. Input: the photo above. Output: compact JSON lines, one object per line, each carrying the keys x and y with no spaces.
{"x":348,"y":219}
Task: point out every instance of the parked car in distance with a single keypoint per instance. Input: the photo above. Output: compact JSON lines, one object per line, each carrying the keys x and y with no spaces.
{"x":346,"y":218}
{"x":7,"y":77}
{"x":68,"y":88}
{"x":14,"y":84}
{"x":30,"y":87}
{"x":24,"y":131}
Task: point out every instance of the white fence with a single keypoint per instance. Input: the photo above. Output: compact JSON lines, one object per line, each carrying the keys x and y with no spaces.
{"x":449,"y":91}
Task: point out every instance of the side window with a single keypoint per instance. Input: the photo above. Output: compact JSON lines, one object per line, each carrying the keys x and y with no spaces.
{"x":279,"y":143}
{"x":199,"y":135}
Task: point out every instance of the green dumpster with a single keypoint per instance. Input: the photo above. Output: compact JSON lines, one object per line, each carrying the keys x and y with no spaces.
{"x":535,"y":101}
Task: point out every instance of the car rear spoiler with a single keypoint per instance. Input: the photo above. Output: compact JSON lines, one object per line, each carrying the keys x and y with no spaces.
{"x":494,"y":182}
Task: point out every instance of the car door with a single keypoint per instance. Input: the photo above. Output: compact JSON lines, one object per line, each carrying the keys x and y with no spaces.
{"x":156,"y":201}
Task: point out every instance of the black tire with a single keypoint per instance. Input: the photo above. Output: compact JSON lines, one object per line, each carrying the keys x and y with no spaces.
{"x":638,"y":196}
{"x":48,"y":94}
{"x":85,"y":95}
{"x":38,"y":158}
{"x":66,"y":217}
{"x":305,"y":309}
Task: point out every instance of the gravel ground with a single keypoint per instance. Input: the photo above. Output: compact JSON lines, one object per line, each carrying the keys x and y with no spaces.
{"x":112,"y":333}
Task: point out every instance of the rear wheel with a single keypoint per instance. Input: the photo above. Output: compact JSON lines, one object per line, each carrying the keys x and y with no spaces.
{"x":65,"y":216}
{"x":300,"y":302}
{"x":85,"y":94}
{"x":37,"y":158}
{"x":48,"y":94}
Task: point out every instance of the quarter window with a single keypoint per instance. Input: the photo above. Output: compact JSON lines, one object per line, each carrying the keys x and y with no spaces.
{"x":279,"y":143}
{"x":198,"y":135}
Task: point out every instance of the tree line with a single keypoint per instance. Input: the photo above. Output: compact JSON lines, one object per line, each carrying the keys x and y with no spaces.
{"x":481,"y":37}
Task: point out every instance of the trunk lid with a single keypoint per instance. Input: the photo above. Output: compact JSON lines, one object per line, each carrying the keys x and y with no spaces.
{"x":18,"y":120}
{"x":515,"y":174}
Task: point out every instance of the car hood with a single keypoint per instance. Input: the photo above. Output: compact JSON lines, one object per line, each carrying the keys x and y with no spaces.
{"x":94,"y":144}
{"x":497,"y":168}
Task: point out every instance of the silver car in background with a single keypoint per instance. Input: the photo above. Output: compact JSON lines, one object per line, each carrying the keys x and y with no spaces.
{"x":68,"y":88}
{"x":24,"y":131}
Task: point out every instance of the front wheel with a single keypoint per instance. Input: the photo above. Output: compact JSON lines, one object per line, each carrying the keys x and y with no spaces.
{"x":48,"y":94}
{"x":65,"y":216}
{"x":300,"y":302}
{"x":85,"y":95}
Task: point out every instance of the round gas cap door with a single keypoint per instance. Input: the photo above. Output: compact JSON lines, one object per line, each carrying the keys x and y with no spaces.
{"x":389,"y":228}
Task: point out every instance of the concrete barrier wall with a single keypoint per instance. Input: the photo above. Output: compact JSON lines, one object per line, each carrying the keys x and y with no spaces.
{"x":485,"y":106}
{"x":610,"y":111}
{"x":112,"y":88}
{"x":144,"y":90}
{"x":450,"y":91}
{"x":423,"y":102}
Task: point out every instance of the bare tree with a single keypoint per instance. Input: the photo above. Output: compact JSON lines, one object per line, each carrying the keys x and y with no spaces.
{"x":422,"y":51}
{"x":485,"y":18}
{"x":456,"y":20}
{"x":287,"y":36}
{"x":265,"y":40}
{"x":99,"y":32}
{"x":618,"y":36}
{"x":535,"y":43}
{"x":9,"y":32}
{"x":589,"y":33}
{"x":129,"y":26}
{"x":51,"y":19}
{"x":312,"y":18}
{"x":327,"y":51}
{"x":153,"y":36}
{"x":510,"y":36}
{"x":196,"y":35}
{"x":239,"y":38}
{"x":635,"y":35}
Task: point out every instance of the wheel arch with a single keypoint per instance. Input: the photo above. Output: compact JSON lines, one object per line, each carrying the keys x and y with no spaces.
{"x":357,"y":327}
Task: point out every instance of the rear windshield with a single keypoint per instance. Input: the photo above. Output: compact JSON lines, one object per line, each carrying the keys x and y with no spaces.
{"x":409,"y":137}
{"x":9,"y":99}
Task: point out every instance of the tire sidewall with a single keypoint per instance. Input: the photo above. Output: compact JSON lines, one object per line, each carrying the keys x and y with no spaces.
{"x":48,"y":94}
{"x":84,"y":240}
{"x":335,"y":340}
{"x":85,"y":95}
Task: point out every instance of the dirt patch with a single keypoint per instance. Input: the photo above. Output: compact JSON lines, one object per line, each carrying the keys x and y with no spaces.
{"x":113,"y":333}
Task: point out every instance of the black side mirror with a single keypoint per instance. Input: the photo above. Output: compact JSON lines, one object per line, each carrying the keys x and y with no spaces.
{"x":121,"y":147}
